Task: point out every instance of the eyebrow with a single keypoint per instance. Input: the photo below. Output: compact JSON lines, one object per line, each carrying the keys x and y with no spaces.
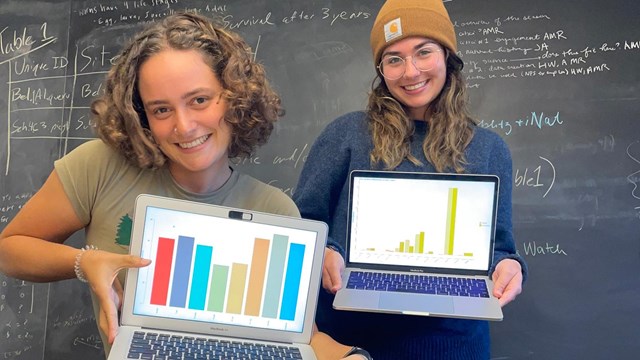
{"x":183,"y":97}
{"x":417,"y":47}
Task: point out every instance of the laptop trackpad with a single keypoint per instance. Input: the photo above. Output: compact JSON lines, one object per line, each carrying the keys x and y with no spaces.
{"x":412,"y":302}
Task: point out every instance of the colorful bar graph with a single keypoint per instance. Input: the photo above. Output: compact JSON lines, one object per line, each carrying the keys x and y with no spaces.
{"x":181,"y":272}
{"x":236,"y":288}
{"x":292,"y":282}
{"x":269,"y":284}
{"x":451,"y":221}
{"x":256,"y":277}
{"x":200,"y":279}
{"x":162,"y":271}
{"x":218,"y":288}
{"x":275,"y":276}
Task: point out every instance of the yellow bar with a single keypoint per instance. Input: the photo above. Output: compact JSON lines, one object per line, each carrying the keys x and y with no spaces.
{"x":236,"y":288}
{"x":256,"y":277}
{"x":468,"y":254}
{"x":411,"y":249}
{"x":421,"y":246}
{"x":451,"y":221}
{"x":401,"y":246}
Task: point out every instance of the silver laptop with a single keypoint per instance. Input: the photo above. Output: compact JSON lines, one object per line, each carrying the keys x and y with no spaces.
{"x":221,"y":280}
{"x":420,"y":244}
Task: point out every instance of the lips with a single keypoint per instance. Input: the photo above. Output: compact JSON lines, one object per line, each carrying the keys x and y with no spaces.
{"x":194,"y":143}
{"x":415,"y":86}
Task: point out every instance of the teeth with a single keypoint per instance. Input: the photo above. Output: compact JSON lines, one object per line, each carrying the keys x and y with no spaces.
{"x":194,"y":143}
{"x":416,"y":86}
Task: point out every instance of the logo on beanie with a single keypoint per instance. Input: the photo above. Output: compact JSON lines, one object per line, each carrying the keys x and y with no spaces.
{"x":392,"y":29}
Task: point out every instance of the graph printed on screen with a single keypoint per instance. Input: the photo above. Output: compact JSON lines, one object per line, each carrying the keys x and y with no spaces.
{"x":427,"y":224}
{"x":230,"y":272}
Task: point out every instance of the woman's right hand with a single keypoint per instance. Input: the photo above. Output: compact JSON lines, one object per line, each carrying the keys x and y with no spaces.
{"x":101,"y":269}
{"x":332,"y":270}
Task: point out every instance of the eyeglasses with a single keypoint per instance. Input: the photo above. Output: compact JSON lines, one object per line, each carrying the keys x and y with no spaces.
{"x":424,"y":59}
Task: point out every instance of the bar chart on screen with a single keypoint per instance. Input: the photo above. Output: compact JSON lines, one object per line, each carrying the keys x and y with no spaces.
{"x":211,"y":269}
{"x":434,"y":225}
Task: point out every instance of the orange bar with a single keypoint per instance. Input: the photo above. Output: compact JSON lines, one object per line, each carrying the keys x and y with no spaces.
{"x":256,"y":277}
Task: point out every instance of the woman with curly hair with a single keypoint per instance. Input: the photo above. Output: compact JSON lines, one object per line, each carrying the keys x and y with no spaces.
{"x":183,"y":98}
{"x":416,"y":121}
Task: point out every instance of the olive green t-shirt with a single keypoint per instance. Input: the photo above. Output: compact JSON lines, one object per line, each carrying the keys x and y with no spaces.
{"x":102,"y":187}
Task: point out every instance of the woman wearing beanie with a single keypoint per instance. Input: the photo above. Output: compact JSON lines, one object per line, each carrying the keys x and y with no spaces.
{"x":416,"y":121}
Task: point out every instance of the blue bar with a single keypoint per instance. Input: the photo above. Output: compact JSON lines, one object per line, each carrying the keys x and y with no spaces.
{"x":292,"y":282}
{"x":181,"y":272}
{"x":200,"y":279}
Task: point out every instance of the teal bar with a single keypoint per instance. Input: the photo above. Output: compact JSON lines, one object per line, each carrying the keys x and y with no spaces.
{"x":200,"y":277}
{"x":292,"y":282}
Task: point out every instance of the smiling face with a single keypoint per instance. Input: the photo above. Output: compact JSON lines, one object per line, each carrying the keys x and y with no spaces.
{"x":182,"y":100}
{"x":416,"y":89}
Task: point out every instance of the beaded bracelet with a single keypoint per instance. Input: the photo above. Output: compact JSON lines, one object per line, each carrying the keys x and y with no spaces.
{"x":76,"y":265}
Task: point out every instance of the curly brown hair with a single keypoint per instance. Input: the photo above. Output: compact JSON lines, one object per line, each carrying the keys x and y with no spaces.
{"x":450,"y":125}
{"x":253,"y":105}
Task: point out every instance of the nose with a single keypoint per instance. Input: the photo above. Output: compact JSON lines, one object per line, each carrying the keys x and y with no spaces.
{"x":184,"y":123}
{"x":410,"y":68}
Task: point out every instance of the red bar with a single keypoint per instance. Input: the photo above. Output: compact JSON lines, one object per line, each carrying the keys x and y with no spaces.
{"x":162,"y":271}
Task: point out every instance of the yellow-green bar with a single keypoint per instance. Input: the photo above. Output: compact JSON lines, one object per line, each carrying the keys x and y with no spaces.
{"x":401,"y":246}
{"x":406,"y":246}
{"x":236,"y":288}
{"x":411,"y":249}
{"x":451,"y":221}
{"x":421,"y":245}
{"x":468,"y":254}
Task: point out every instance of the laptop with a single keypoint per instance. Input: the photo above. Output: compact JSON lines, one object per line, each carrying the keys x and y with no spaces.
{"x":420,"y":244}
{"x":221,"y":280}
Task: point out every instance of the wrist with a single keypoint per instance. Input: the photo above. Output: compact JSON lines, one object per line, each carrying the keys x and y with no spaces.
{"x":359,"y":351}
{"x":78,"y":261}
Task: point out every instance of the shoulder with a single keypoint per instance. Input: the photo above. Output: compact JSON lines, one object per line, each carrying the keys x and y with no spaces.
{"x":489,"y":140}
{"x":92,"y":153}
{"x":355,"y":121}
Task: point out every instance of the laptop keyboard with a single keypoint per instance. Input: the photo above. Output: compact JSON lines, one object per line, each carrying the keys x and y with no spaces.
{"x":413,"y":283}
{"x":149,"y":345}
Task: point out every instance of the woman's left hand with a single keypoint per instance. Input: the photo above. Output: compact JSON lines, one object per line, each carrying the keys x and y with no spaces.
{"x":507,"y":281}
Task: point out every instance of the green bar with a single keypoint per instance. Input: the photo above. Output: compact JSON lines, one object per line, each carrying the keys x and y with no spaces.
{"x":275,"y":276}
{"x":451,"y":221}
{"x":236,"y":288}
{"x":421,"y":246}
{"x":218,"y":288}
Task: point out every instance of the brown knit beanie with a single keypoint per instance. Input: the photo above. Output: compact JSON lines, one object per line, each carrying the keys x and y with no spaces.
{"x":399,"y":19}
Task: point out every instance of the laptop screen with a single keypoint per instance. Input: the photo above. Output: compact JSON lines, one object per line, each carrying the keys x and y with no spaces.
{"x":221,"y":270}
{"x":422,"y":220}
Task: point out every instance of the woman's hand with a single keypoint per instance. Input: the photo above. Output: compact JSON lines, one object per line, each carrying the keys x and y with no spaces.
{"x":507,"y":281}
{"x":332,"y":270}
{"x":101,"y":269}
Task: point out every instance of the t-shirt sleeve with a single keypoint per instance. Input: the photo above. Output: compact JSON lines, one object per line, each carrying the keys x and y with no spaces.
{"x":84,"y":171}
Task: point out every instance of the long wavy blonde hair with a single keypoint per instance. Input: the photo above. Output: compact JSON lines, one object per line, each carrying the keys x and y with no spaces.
{"x":253,"y":105}
{"x":450,"y":125}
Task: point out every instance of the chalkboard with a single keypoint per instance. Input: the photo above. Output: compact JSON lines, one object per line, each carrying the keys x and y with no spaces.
{"x":558,"y":80}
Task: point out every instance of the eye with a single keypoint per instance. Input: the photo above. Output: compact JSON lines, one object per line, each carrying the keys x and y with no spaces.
{"x":200,"y":101}
{"x":392,"y":61}
{"x":425,"y":52}
{"x":161,"y":112}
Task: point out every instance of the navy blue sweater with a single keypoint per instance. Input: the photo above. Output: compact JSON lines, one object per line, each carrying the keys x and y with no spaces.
{"x":322,"y":194}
